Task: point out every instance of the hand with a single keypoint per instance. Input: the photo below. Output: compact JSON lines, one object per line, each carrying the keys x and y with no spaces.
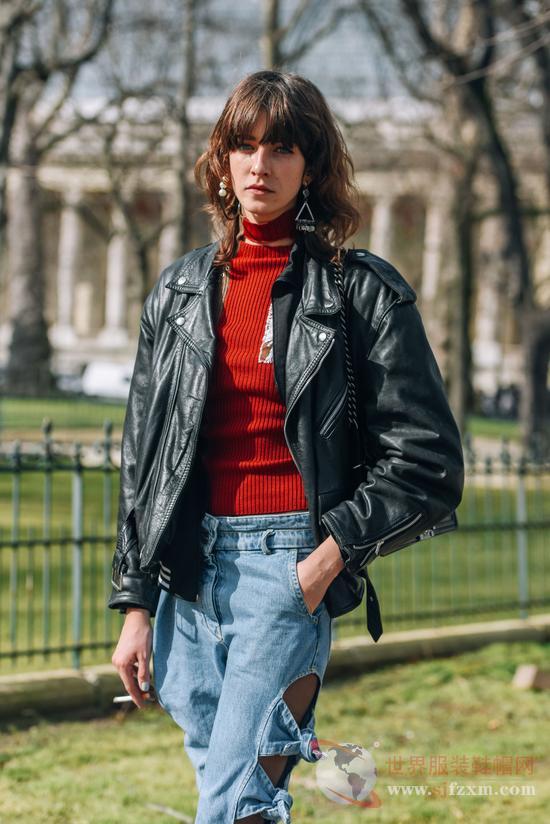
{"x":317,"y":571}
{"x":134,"y":651}
{"x":312,"y":588}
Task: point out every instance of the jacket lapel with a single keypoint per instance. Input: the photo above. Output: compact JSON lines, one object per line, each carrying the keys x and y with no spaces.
{"x":309,"y":338}
{"x":301,"y":339}
{"x":195,"y":321}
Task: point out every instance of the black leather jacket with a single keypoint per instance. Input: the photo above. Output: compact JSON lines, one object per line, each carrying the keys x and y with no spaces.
{"x":416,"y":470}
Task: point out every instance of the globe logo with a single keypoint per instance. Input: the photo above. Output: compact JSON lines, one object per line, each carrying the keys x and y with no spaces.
{"x":346,"y":774}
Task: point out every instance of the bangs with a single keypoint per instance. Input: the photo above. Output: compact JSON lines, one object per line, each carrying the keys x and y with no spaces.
{"x":294,"y":114}
{"x":283,"y":125}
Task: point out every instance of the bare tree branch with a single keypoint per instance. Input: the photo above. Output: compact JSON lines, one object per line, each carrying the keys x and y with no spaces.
{"x":337,"y":16}
{"x":294,"y":20}
{"x":402,"y":65}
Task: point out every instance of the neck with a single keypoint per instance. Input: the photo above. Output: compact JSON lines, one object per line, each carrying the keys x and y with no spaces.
{"x":281,"y":231}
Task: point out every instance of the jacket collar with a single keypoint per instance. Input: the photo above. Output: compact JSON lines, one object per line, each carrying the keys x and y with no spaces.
{"x":316,"y":279}
{"x":191,"y":274}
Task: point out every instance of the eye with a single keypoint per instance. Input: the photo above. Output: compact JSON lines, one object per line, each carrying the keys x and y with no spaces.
{"x":285,"y":149}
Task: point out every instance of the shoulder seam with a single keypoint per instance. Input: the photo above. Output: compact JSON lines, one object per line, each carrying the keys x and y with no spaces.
{"x":175,"y":265}
{"x":385,"y":271}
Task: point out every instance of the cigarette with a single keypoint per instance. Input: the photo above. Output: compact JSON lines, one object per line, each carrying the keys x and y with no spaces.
{"x":122,"y":699}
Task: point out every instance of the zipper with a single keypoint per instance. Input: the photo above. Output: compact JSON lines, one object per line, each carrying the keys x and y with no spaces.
{"x":327,"y":426}
{"x":378,"y":544}
{"x":306,"y":376}
{"x":192,"y":445}
{"x":117,"y":567}
{"x":169,"y":412}
{"x":170,"y":508}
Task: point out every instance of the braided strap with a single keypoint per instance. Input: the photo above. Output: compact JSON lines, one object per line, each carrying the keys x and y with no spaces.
{"x":350,"y":378}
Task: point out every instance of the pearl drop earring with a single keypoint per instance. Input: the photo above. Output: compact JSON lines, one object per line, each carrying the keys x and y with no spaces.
{"x":222,"y":191}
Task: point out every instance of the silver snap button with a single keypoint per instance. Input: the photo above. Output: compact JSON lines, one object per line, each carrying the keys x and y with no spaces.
{"x":322,"y":335}
{"x":179,"y":321}
{"x":181,"y":280}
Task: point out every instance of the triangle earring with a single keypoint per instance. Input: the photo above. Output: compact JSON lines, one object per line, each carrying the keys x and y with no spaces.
{"x":305,"y":222}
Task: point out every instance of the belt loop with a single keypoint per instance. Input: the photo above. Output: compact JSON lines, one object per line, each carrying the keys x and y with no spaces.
{"x":212,"y":527}
{"x":265,"y":549}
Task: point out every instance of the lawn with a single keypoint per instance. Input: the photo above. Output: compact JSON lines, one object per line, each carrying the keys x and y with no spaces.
{"x":469,"y":574}
{"x":23,"y":417}
{"x":84,"y":417}
{"x":472,"y":574}
{"x":108,"y":771}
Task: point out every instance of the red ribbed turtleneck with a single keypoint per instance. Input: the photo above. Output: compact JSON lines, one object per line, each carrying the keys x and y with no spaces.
{"x":245,"y":454}
{"x":280,"y":227}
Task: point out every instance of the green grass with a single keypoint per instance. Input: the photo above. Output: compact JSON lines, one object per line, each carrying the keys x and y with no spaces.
{"x":24,"y":416}
{"x":471,"y":574}
{"x":107,"y":771}
{"x":478,"y":426}
{"x":468,"y":575}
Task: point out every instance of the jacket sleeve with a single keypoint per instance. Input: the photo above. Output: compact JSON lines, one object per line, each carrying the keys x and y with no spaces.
{"x":131,"y":586}
{"x":415,"y":472}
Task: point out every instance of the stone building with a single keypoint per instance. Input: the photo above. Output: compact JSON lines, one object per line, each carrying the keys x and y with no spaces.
{"x":93,"y":293}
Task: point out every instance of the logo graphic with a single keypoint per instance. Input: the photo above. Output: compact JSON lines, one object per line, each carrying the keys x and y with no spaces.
{"x":346,"y":774}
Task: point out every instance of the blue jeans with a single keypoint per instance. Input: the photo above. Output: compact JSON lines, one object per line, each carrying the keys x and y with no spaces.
{"x":223,"y":663}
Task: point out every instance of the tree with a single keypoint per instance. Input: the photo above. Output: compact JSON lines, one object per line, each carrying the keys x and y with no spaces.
{"x":465,"y":73}
{"x":53,"y":40}
{"x":284,"y":42}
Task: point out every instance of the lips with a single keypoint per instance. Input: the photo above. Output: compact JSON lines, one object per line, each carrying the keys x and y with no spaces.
{"x":259,"y":188}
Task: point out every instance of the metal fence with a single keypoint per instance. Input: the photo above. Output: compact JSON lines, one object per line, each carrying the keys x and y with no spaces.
{"x":57,"y":532}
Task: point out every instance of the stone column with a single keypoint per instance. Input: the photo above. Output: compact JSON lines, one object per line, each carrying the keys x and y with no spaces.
{"x":69,"y":247}
{"x":432,"y":263}
{"x":488,"y":340}
{"x":114,"y":332}
{"x":381,"y":226}
{"x":168,"y":241}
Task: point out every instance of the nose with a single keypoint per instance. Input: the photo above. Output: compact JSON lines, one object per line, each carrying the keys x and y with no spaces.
{"x":261,"y":162}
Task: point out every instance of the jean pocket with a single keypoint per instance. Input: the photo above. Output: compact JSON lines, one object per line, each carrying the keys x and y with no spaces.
{"x":294,"y":556}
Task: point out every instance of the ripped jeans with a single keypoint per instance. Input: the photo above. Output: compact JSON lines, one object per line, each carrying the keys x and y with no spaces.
{"x":223,"y":663}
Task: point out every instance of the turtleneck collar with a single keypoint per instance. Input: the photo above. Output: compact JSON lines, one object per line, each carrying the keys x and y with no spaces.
{"x":281,"y":227}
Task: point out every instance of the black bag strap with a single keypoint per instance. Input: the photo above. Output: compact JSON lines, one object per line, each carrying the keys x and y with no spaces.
{"x":374,"y":619}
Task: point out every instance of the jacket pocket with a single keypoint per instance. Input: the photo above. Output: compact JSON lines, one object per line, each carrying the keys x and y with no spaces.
{"x":388,"y":538}
{"x":330,"y":419}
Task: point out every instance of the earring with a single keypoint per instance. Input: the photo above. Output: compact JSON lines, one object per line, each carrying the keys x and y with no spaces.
{"x":307,"y":222}
{"x":222,"y":191}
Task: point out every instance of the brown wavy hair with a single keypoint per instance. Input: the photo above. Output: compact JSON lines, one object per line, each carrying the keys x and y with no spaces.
{"x":296,"y":114}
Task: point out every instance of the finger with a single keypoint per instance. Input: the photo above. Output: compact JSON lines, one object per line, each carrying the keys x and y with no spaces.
{"x":129,"y":681}
{"x":143,"y":676}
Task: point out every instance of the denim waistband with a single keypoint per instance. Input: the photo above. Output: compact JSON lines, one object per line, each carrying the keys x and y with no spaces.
{"x":277,"y":530}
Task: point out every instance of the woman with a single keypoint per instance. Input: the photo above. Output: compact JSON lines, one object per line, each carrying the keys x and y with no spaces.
{"x":242,"y":526}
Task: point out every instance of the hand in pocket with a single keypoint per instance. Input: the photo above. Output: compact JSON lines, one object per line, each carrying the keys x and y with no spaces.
{"x":312,"y":585}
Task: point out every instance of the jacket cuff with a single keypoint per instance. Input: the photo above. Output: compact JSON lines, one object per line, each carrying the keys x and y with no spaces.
{"x":349,"y":559}
{"x":134,"y":589}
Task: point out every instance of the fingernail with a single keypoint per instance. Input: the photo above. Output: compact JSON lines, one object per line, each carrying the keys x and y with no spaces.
{"x":144,"y":686}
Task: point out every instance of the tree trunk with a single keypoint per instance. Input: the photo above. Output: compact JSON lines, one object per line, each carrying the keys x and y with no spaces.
{"x":460,"y":367}
{"x":28,"y":368}
{"x":187,"y":87}
{"x":535,"y":401}
{"x":271,"y":53}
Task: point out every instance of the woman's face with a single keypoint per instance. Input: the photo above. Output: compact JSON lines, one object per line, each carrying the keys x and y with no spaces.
{"x":266,"y":178}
